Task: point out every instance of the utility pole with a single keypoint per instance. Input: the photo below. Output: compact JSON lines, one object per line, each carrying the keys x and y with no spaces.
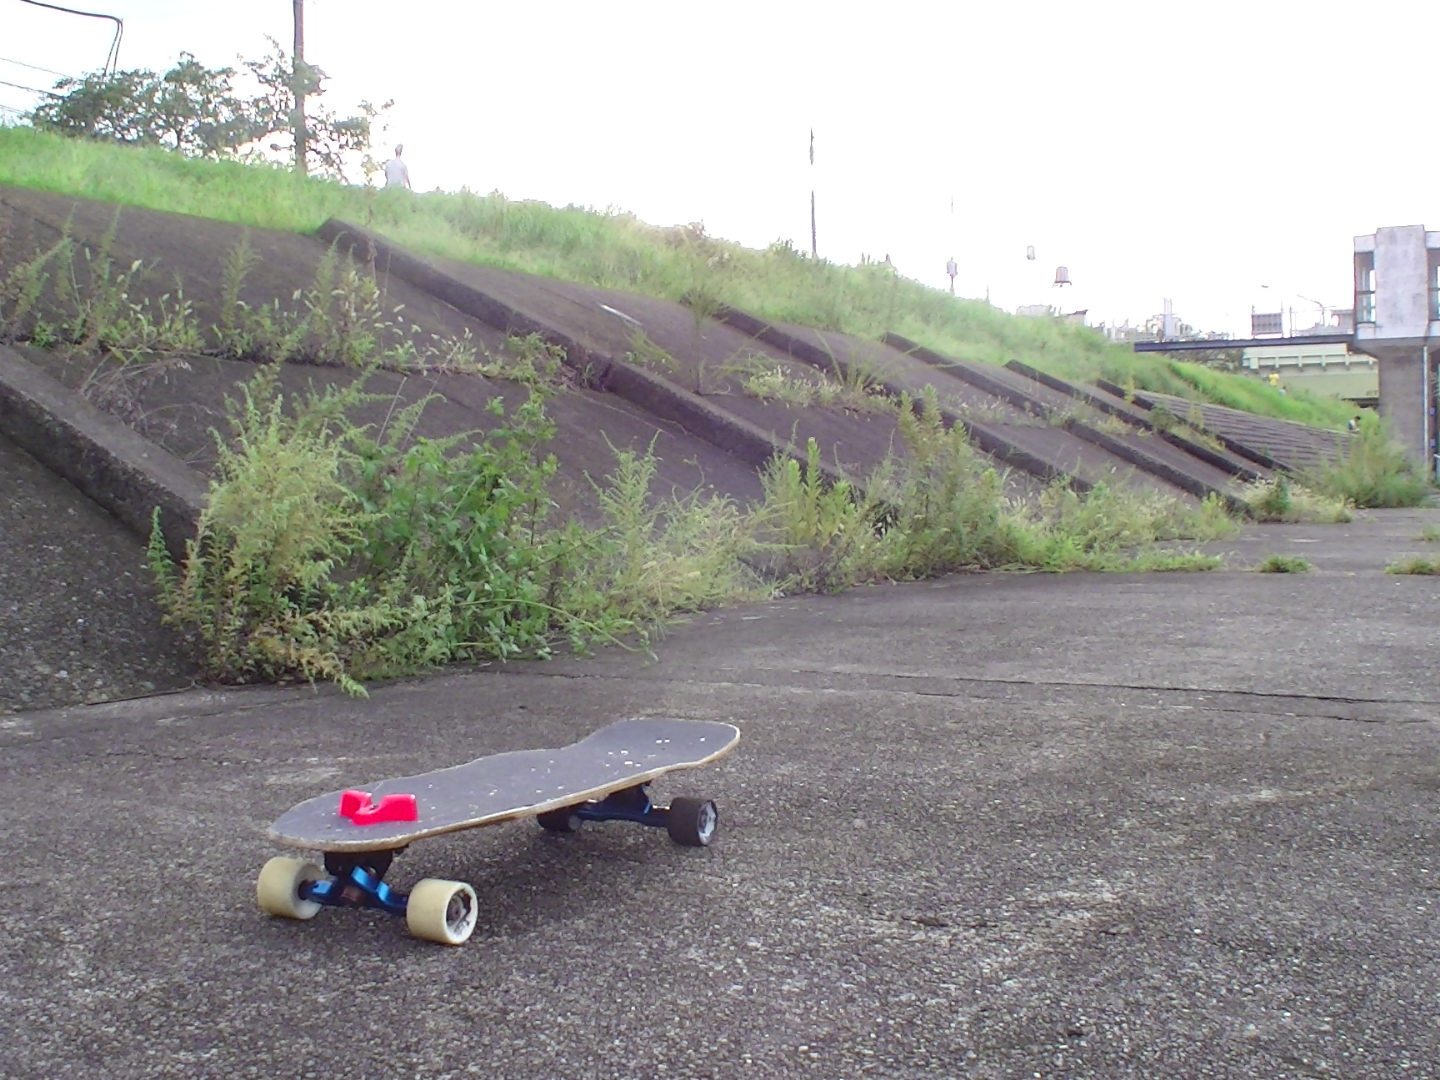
{"x":814,"y":245}
{"x":299,"y":84}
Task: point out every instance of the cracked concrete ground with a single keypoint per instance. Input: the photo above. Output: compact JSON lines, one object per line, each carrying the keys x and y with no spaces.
{"x":988,"y":827}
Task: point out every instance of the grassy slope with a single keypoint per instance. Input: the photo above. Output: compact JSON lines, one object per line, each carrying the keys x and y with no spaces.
{"x":618,"y":251}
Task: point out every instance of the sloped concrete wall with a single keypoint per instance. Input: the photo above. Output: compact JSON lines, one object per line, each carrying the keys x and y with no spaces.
{"x":650,"y":392}
{"x":107,"y":461}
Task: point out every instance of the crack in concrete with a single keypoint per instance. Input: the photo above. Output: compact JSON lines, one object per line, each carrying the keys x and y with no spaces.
{"x":834,"y":677}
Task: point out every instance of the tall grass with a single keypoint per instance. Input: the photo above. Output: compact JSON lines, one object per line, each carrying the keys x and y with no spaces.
{"x":614,"y":250}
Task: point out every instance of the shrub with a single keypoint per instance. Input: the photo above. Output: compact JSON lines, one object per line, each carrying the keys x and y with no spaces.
{"x":1371,"y":471}
{"x":327,"y":553}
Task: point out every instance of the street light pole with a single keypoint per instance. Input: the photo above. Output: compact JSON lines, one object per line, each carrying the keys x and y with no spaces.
{"x":299,"y":85}
{"x":1317,"y":303}
{"x":814,"y":244}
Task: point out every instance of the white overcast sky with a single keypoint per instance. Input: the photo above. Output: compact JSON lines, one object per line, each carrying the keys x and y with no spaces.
{"x":1196,"y":151}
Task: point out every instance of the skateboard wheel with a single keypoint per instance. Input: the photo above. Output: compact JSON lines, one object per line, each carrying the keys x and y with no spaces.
{"x":692,"y":821}
{"x":443,"y":911}
{"x":564,"y":820}
{"x":278,"y":889}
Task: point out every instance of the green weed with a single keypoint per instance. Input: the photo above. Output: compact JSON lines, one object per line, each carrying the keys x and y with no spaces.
{"x":530,"y":361}
{"x":1416,"y":564}
{"x":23,"y":286}
{"x":1282,"y":564}
{"x":652,"y":557}
{"x":647,"y":354}
{"x":78,"y":300}
{"x":1117,"y":426}
{"x":329,"y":551}
{"x":943,"y":501}
{"x":819,"y":536}
{"x":1116,"y":528}
{"x":763,"y":377}
{"x":1282,"y":499}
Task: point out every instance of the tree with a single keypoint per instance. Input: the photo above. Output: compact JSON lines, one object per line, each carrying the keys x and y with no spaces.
{"x":329,"y":138}
{"x":197,"y":111}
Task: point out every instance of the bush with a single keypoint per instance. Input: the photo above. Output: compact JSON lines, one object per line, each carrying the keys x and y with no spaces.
{"x":323,"y":553}
{"x":652,"y":557}
{"x":1371,"y":471}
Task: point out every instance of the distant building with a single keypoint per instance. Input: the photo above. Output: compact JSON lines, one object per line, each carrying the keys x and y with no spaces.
{"x":1397,"y":321}
{"x":1327,"y":370}
{"x":1046,"y":311}
{"x":1166,"y":326}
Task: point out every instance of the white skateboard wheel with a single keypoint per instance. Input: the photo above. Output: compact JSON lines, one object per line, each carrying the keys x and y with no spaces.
{"x":278,"y":889}
{"x":442,"y":911}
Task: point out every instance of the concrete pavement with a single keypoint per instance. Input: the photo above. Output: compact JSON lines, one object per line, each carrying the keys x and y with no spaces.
{"x":992,"y":826}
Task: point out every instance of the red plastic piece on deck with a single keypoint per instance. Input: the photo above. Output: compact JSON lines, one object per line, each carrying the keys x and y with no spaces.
{"x":356,"y":806}
{"x":351,"y":801}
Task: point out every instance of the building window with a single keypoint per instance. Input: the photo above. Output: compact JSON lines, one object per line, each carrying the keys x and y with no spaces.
{"x":1364,"y":286}
{"x":1434,"y":284}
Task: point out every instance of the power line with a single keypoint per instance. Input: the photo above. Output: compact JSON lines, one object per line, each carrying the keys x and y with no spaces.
{"x":113,"y":59}
{"x":35,"y":67}
{"x":18,"y":86}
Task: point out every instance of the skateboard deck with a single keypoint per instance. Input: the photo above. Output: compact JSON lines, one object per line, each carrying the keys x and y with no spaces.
{"x":603,"y":777}
{"x":510,"y":786}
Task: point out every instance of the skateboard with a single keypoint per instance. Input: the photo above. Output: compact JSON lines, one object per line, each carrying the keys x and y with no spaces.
{"x":359,"y":831}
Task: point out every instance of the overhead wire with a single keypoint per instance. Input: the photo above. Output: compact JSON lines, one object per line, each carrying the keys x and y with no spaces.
{"x":31,"y":89}
{"x":34,"y":67}
{"x":112,"y":60}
